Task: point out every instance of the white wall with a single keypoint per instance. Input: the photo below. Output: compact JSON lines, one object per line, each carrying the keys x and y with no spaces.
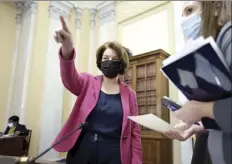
{"x":138,"y":34}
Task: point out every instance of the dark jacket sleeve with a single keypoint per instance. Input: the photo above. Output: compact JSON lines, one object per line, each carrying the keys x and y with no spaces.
{"x":22,"y":129}
{"x":223,"y":108}
{"x":223,"y":113}
{"x":7,"y":130}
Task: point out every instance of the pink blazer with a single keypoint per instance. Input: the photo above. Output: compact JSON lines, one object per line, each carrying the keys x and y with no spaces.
{"x":87,"y":88}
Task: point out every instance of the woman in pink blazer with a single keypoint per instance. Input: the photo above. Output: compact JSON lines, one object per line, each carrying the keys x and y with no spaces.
{"x":104,"y":102}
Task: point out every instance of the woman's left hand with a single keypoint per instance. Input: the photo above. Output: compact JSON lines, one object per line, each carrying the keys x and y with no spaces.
{"x":193,"y":111}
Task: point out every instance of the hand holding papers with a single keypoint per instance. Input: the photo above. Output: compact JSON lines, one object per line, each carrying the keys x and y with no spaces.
{"x":152,"y":122}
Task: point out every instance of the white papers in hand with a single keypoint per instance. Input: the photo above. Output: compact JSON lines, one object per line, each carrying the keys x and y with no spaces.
{"x":152,"y":122}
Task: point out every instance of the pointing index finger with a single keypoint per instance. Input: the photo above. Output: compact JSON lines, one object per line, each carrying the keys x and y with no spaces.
{"x":64,"y":25}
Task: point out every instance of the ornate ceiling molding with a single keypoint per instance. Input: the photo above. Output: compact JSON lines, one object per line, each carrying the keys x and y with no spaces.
{"x":57,"y":8}
{"x":106,"y":11}
{"x":86,"y":4}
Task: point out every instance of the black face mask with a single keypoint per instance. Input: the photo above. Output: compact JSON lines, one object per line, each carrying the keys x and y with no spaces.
{"x":110,"y":68}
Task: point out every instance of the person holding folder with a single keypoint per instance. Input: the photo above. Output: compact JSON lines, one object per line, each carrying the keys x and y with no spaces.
{"x":104,"y":102}
{"x":210,"y":18}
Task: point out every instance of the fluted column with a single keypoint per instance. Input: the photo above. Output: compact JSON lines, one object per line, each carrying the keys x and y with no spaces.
{"x":107,"y":31}
{"x":92,"y":57}
{"x":78,"y":12}
{"x":30,"y":13}
{"x":24,"y":44}
{"x":53,"y":90}
{"x":107,"y":21}
{"x":19,"y":7}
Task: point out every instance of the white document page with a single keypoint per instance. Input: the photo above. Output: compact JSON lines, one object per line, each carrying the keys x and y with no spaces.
{"x":152,"y":122}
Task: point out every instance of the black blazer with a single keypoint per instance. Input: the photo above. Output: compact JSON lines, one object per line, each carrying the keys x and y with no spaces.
{"x":200,"y":151}
{"x":19,"y":128}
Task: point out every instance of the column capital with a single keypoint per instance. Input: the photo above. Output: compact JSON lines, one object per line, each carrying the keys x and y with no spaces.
{"x":93,"y":13}
{"x":78,"y":12}
{"x":57,"y":8}
{"x":24,"y":9}
{"x":19,"y":12}
{"x":106,"y":11}
{"x":30,"y":7}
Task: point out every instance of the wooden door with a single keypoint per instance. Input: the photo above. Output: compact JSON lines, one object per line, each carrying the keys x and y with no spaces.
{"x":145,"y":78}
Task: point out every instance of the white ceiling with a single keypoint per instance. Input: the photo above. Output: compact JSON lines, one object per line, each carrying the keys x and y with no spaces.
{"x":86,"y":4}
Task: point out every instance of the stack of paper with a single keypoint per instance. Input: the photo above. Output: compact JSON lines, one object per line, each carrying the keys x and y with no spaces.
{"x":152,"y":122}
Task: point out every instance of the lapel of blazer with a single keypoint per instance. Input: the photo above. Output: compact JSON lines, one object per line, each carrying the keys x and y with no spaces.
{"x":125,"y":104}
{"x":97,"y":87}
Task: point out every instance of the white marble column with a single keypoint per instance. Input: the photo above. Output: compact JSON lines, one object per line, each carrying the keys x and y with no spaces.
{"x":30,"y":13}
{"x":78,"y":13}
{"x":92,"y":57}
{"x":19,"y":7}
{"x":107,"y":21}
{"x":27,"y":28}
{"x":52,"y":100}
{"x":186,"y":146}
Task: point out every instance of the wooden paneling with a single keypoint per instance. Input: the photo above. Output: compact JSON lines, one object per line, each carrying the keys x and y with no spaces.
{"x":145,"y":77}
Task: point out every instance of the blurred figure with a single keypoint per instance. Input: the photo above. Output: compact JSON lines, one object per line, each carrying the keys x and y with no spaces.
{"x":209,"y":18}
{"x":104,"y":102}
{"x":200,"y":151}
{"x":14,"y":127}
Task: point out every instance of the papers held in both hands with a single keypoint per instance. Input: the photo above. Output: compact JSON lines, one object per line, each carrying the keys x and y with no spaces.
{"x":152,"y":122}
{"x":200,"y":71}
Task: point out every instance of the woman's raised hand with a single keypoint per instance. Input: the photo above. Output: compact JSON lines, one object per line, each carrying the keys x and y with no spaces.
{"x":64,"y":37}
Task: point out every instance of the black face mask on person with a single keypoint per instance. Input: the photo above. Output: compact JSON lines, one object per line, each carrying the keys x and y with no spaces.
{"x":110,"y":68}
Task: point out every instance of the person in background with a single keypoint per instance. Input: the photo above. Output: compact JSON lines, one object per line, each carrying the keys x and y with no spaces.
{"x":14,"y":127}
{"x":104,"y":102}
{"x":209,"y":18}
